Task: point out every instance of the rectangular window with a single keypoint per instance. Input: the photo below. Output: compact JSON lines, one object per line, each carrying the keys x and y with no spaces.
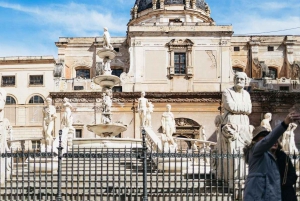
{"x":83,"y":73}
{"x":78,"y":133}
{"x":8,"y":81}
{"x":77,"y":88}
{"x":180,"y":63}
{"x":118,"y":136}
{"x":236,"y":49}
{"x":284,"y":88}
{"x":117,"y":72}
{"x":117,"y":49}
{"x":36,"y":79}
{"x":176,"y":20}
{"x":270,"y":48}
{"x":35,"y":144}
{"x":117,"y":89}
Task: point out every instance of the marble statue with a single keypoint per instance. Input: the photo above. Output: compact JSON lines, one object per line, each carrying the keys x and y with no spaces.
{"x":5,"y":135}
{"x":2,"y":103}
{"x":202,"y":133}
{"x":49,"y":115}
{"x":266,"y":121}
{"x":148,"y":114}
{"x":67,"y":119}
{"x":288,"y":139}
{"x":203,"y":136}
{"x":236,"y":102}
{"x":106,"y":39}
{"x":106,"y":70}
{"x":142,"y":108}
{"x":168,"y":127}
{"x":235,"y":130}
{"x":107,"y":102}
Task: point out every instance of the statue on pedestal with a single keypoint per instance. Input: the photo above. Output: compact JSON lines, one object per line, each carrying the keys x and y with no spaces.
{"x":2,"y":103}
{"x":148,"y":114}
{"x":168,"y":127}
{"x":106,"y":39}
{"x":49,"y":115}
{"x":67,"y":119}
{"x":5,"y":134}
{"x":266,"y":121}
{"x":107,"y":102}
{"x":288,"y":139}
{"x":142,"y":108}
{"x":235,"y":131}
{"x":106,"y":70}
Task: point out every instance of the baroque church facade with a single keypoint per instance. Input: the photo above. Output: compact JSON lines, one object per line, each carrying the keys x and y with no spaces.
{"x":176,"y":53}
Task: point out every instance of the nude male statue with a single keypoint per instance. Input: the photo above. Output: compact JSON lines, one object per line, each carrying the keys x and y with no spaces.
{"x":266,"y":121}
{"x":168,"y":124}
{"x":49,"y":115}
{"x":106,"y":39}
{"x":142,"y":108}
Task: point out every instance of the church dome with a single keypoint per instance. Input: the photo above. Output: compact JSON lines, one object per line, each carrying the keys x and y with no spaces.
{"x":145,"y":4}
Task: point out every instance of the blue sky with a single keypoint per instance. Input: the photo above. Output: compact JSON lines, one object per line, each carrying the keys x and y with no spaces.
{"x":31,"y":27}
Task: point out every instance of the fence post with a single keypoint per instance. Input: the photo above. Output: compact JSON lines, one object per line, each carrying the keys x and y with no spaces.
{"x":145,"y":195}
{"x":60,"y":148}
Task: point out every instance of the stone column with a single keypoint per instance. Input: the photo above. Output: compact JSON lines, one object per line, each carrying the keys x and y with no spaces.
{"x":193,"y":4}
{"x":162,"y":4}
{"x":187,"y":4}
{"x":154,"y":4}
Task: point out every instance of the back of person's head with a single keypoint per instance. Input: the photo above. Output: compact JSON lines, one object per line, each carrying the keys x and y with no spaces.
{"x":258,"y":132}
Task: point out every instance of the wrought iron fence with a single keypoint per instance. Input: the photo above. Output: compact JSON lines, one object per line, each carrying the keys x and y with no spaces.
{"x":133,"y":173}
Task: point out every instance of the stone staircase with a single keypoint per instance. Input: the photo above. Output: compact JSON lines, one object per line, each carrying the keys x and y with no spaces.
{"x":111,"y":178}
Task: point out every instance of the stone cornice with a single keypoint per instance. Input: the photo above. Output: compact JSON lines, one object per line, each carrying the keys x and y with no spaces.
{"x":27,"y":60}
{"x":163,"y":97}
{"x":272,"y":99}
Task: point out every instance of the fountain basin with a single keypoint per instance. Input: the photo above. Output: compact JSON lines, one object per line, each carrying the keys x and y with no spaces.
{"x":107,"y":130}
{"x":106,"y":53}
{"x":79,"y":143}
{"x":107,"y":81}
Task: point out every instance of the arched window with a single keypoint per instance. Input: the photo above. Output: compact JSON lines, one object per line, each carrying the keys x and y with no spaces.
{"x":237,"y":69}
{"x":10,"y":100}
{"x":10,"y":109}
{"x":272,"y":73}
{"x":83,"y":73}
{"x":35,"y":110}
{"x":36,"y":100}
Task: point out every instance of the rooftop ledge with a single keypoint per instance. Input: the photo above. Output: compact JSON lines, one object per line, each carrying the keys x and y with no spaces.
{"x":23,"y":58}
{"x":183,"y":28}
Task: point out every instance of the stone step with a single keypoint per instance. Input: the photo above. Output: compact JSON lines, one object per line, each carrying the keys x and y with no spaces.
{"x":116,"y":184}
{"x":128,"y":197}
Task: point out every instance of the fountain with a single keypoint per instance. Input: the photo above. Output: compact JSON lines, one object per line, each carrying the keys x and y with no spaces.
{"x":107,"y":129}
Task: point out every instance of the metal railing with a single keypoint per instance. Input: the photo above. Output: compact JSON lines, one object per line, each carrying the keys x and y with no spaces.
{"x":121,"y":174}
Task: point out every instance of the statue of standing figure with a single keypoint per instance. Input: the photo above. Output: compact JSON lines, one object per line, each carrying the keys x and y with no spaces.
{"x":148,"y":114}
{"x":2,"y":103}
{"x":142,"y":108}
{"x":5,"y":135}
{"x":67,"y":118}
{"x":168,"y":127}
{"x":235,"y":131}
{"x":107,"y":102}
{"x":288,"y":139}
{"x":106,"y":106}
{"x":106,"y":39}
{"x":49,"y":115}
{"x":266,"y":121}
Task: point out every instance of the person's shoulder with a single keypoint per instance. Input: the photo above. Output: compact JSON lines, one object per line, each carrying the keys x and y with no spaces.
{"x":227,"y":91}
{"x":246,"y":92}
